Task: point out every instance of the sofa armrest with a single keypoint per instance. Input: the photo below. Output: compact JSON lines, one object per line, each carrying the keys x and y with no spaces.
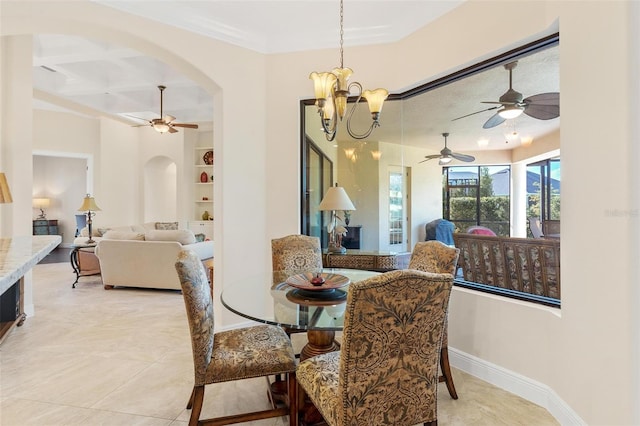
{"x":203,"y":249}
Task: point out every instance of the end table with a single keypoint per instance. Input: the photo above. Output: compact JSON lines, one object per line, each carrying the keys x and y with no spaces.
{"x":75,"y":264}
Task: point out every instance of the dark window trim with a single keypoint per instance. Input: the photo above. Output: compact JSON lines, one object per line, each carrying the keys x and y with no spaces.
{"x":512,"y":294}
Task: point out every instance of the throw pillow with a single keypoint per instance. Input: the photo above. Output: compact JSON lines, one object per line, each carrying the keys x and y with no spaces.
{"x":100,"y":231}
{"x":183,"y":236}
{"x":167,"y":225}
{"x":123,"y":235}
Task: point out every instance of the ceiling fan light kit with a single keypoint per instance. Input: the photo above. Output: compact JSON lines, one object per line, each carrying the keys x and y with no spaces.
{"x":332,"y":89}
{"x":510,"y":111}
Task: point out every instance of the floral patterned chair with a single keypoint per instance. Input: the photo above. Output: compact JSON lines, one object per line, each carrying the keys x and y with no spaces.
{"x":434,"y":256}
{"x":292,"y":255}
{"x":296,"y":253}
{"x":386,"y":372}
{"x":257,"y":351}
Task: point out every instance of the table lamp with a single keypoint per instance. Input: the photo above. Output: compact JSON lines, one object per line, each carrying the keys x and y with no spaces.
{"x":5,"y":193}
{"x":335,"y":199}
{"x":90,"y":207}
{"x":41,"y":203}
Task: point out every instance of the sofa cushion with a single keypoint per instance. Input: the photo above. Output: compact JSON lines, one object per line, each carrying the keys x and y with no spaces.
{"x":123,"y":235}
{"x":183,"y":236}
{"x":167,"y":225}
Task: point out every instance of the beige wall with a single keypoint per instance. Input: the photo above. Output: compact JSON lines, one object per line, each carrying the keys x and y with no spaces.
{"x":587,"y":353}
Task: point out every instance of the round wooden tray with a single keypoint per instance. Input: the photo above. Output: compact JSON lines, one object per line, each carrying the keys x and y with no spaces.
{"x":331,"y":281}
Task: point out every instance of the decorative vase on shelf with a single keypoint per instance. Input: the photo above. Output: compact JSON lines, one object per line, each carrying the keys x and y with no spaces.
{"x":205,"y":215}
{"x":204,"y":178}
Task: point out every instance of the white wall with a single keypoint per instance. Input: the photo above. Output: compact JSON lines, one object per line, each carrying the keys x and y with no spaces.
{"x":160,"y":191}
{"x":586,"y":353}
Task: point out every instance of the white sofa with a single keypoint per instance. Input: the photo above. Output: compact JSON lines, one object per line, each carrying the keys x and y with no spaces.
{"x":142,"y":256}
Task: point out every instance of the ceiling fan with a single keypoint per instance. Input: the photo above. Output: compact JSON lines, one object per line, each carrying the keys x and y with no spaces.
{"x":446,"y":155}
{"x":165,"y":123}
{"x":543,"y":106}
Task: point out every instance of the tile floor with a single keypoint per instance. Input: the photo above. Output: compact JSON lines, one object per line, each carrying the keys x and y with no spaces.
{"x":123,"y":357}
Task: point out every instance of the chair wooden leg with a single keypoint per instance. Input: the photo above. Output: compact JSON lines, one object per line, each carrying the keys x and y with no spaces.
{"x":190,"y":403}
{"x":446,"y":371}
{"x":293,"y":399}
{"x":196,"y":400}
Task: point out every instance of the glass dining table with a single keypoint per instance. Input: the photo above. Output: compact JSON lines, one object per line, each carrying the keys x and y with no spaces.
{"x":292,"y":302}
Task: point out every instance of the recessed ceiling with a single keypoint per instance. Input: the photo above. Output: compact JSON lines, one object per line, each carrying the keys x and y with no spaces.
{"x":93,"y":77}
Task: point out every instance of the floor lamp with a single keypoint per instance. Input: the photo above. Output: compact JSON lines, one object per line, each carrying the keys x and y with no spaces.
{"x":334,"y":200}
{"x":90,"y":207}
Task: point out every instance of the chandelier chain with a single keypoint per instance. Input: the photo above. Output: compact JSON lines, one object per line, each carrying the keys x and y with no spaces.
{"x":341,"y":35}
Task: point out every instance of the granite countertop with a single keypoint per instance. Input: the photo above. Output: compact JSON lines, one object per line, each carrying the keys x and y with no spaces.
{"x":19,"y":254}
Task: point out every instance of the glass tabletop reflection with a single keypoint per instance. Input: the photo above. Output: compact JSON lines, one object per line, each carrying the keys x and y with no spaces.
{"x":296,"y":306}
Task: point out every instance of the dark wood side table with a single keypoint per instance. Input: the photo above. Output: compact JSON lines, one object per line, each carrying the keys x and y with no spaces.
{"x":380,"y":261}
{"x":45,"y":227}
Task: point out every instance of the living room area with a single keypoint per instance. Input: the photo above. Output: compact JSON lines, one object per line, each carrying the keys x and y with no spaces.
{"x":256,"y":139}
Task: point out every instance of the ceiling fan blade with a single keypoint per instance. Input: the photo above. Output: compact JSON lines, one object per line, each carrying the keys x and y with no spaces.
{"x":463,"y":157}
{"x":477,"y":112}
{"x":543,"y":106}
{"x":551,"y":98}
{"x":138,"y":118}
{"x":542,"y":112}
{"x":188,"y":126}
{"x":172,"y":130}
{"x":493,"y":121}
{"x":430,"y":157}
{"x":499,"y":102}
{"x":168,"y":118}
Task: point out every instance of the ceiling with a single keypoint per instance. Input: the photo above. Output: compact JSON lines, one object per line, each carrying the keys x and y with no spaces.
{"x":96,"y":78}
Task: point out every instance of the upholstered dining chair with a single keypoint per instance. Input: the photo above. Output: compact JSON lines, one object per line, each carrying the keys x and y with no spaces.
{"x":434,"y":256}
{"x":386,"y":372}
{"x":295,"y":254}
{"x":256,"y":351}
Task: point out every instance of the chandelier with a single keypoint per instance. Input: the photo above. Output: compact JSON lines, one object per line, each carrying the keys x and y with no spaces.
{"x":332,"y":89}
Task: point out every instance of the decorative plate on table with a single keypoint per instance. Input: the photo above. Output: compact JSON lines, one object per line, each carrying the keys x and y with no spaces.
{"x":331,"y":281}
{"x":208,"y":158}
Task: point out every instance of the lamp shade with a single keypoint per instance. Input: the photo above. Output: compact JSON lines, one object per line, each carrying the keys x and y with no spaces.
{"x":41,"y":203}
{"x":89,"y":204}
{"x":375,"y":99}
{"x":336,"y":198}
{"x":5,"y":193}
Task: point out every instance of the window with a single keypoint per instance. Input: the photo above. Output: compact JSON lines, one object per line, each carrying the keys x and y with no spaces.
{"x":317,"y":178}
{"x":543,"y":190}
{"x":396,"y":208}
{"x":477,"y":195}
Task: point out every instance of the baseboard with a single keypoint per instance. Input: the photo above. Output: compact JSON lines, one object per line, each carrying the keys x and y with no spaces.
{"x":517,"y":384}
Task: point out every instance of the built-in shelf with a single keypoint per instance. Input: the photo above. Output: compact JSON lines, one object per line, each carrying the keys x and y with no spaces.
{"x":202,"y":189}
